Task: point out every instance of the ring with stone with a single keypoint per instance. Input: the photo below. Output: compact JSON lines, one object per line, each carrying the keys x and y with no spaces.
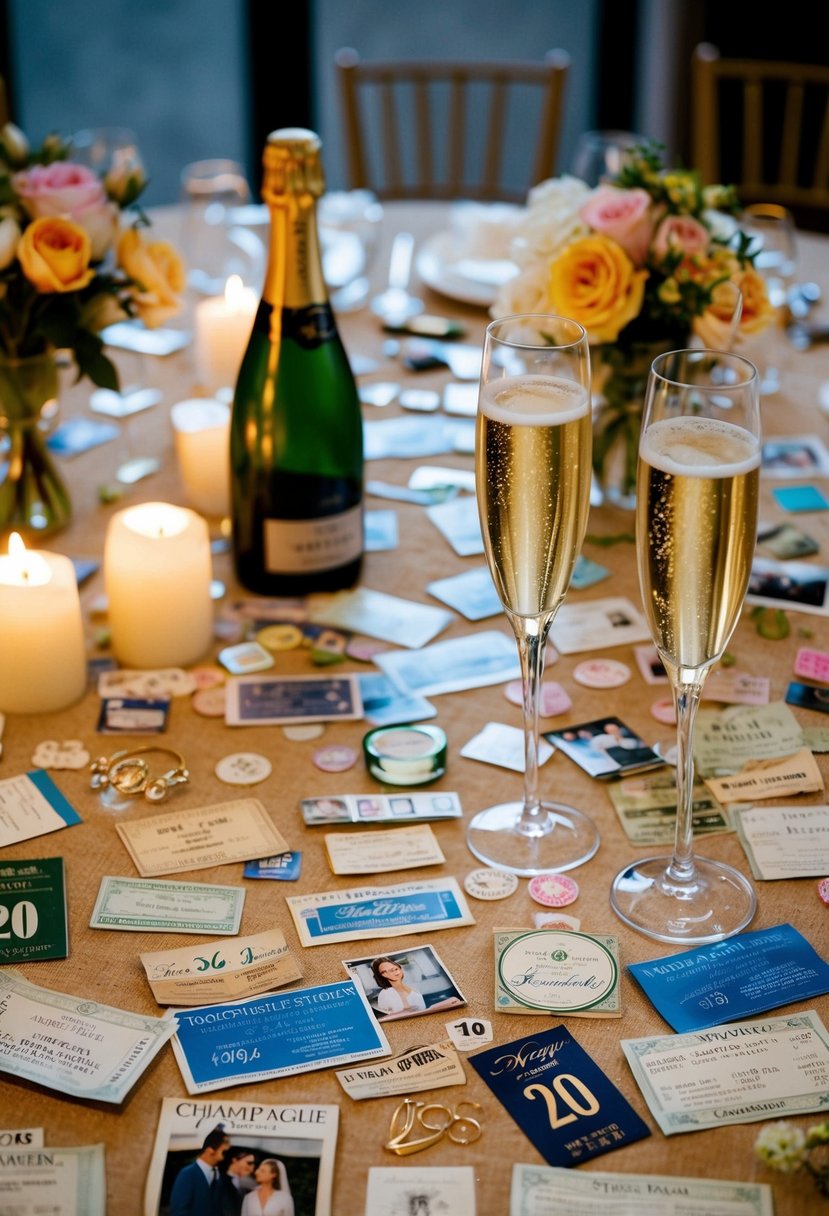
{"x":129,"y":773}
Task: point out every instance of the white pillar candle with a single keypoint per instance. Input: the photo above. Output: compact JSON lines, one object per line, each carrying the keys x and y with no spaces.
{"x":202,"y":431}
{"x":42,"y":652}
{"x":223,"y":325}
{"x":157,"y":574}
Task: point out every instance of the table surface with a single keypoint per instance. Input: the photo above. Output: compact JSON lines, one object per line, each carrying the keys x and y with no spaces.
{"x":104,"y":965}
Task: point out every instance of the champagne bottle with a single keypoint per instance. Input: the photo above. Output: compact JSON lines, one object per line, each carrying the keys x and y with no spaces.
{"x":296,"y":431}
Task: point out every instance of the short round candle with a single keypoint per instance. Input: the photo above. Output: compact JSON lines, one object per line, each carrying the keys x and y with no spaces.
{"x":202,"y":432}
{"x":157,"y":573}
{"x":222,"y":328}
{"x":43,"y":663}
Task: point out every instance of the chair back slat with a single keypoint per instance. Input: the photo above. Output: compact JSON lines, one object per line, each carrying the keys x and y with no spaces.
{"x":820,"y":177}
{"x":390,"y":139}
{"x":495,"y":136}
{"x":457,"y":127}
{"x":423,"y":131}
{"x":790,"y":139}
{"x":753,"y":137}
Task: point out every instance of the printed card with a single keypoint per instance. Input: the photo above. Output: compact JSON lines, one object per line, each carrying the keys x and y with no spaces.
{"x":377,"y":615}
{"x":801,"y":586}
{"x":812,"y":665}
{"x":379,"y":852}
{"x":422,"y":906}
{"x":32,"y":805}
{"x":795,"y":456}
{"x":410,"y":437}
{"x":733,"y":687}
{"x":474,"y":661}
{"x":559,"y":1097}
{"x":472,"y":593}
{"x":380,"y":531}
{"x":598,"y":625}
{"x":270,"y":701}
{"x":432,"y":1067}
{"x":539,"y":1190}
{"x":385,"y":705}
{"x":797,"y":774}
{"x":808,"y":697}
{"x":736,"y":978}
{"x":380,"y":808}
{"x":785,"y":841}
{"x":646,"y":806}
{"x":503,"y":745}
{"x":548,"y":971}
{"x":77,"y":435}
{"x":200,"y":838}
{"x":304,"y":1030}
{"x":586,"y":573}
{"x":284,"y":867}
{"x":153,"y":906}
{"x":801,"y":498}
{"x":405,"y":983}
{"x":698,"y":1080}
{"x":650,"y":665}
{"x":725,"y":740}
{"x":165,"y":683}
{"x":458,"y":521}
{"x":73,"y":1178}
{"x":239,"y":967}
{"x":33,"y":922}
{"x":133,"y":716}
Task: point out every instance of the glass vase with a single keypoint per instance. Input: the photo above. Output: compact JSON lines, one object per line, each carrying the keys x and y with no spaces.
{"x":33,"y":498}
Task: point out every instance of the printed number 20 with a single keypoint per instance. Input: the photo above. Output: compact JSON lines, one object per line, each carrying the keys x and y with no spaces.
{"x":23,"y":920}
{"x":590,"y":1107}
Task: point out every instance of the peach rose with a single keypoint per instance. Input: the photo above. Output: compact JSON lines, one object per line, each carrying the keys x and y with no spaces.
{"x":680,"y":234}
{"x":158,"y":272}
{"x":71,"y":191}
{"x":55,"y":254}
{"x":594,"y":282}
{"x":715,"y":326}
{"x":623,"y":215}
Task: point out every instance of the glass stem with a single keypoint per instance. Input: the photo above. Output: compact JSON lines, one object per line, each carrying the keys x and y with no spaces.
{"x":686,"y":700}
{"x":531,"y":635}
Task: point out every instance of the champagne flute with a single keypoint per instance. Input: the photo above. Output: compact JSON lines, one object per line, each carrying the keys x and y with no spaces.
{"x":696,"y":520}
{"x":532,"y":474}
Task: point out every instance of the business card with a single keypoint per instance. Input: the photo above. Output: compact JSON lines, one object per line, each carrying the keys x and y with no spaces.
{"x":32,"y":805}
{"x":33,"y":922}
{"x":555,"y":971}
{"x":238,"y":967}
{"x":381,"y":851}
{"x":152,"y":906}
{"x":423,"y":906}
{"x":785,"y":841}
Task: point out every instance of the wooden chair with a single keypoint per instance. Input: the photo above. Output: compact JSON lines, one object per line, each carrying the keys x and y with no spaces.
{"x":764,"y":126}
{"x":437,"y":129}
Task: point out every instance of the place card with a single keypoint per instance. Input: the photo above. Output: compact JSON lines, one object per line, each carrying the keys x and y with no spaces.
{"x":743,"y":975}
{"x":32,"y":805}
{"x":548,"y":971}
{"x":366,"y":809}
{"x":379,"y":852}
{"x":646,"y":807}
{"x":304,"y":1030}
{"x":734,"y":687}
{"x":151,"y":906}
{"x":724,"y":740}
{"x":269,"y":701}
{"x":471,"y":593}
{"x":367,"y":912}
{"x":200,"y":838}
{"x":432,"y":1067}
{"x":797,"y":774}
{"x":598,"y":625}
{"x":785,"y":841}
{"x":89,"y":1050}
{"x":239,"y":967}
{"x":448,"y":1188}
{"x":33,"y":922}
{"x":32,"y":1181}
{"x":377,"y":615}
{"x":545,"y":1190}
{"x":559,"y":1097}
{"x":699,"y":1080}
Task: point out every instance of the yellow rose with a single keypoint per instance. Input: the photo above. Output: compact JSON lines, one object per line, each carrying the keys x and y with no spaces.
{"x":54,"y":254}
{"x":158,"y":272}
{"x":594,"y":282}
{"x":715,"y":326}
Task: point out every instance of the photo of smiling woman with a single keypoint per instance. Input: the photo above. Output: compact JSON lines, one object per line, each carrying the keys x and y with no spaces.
{"x":405,"y":983}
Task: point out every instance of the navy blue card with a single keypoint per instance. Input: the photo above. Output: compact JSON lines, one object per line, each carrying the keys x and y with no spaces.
{"x":559,"y":1097}
{"x":133,"y":716}
{"x":285,"y":866}
{"x":733,"y":979}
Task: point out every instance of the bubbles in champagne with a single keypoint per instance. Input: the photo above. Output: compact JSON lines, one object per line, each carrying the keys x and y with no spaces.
{"x":533,"y":400}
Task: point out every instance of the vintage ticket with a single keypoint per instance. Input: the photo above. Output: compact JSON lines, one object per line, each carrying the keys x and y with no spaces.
{"x":785,"y":841}
{"x":153,"y":906}
{"x":646,"y":806}
{"x":72,"y":1044}
{"x":239,"y":967}
{"x":553,"y":971}
{"x":433,"y":1067}
{"x":64,"y":1181}
{"x":32,"y":805}
{"x":376,"y":852}
{"x":21,"y":1137}
{"x":436,"y":903}
{"x":770,"y":1068}
{"x":733,"y":687}
{"x":797,"y":774}
{"x":546,"y":1190}
{"x":200,"y":838}
{"x":725,"y":740}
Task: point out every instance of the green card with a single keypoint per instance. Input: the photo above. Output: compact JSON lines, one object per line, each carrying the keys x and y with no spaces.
{"x":33,"y":910}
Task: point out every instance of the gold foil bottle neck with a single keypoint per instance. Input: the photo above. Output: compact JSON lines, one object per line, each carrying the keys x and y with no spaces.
{"x":293,"y":163}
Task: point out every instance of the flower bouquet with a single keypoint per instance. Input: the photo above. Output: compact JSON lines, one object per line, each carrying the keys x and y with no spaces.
{"x":646,"y":262}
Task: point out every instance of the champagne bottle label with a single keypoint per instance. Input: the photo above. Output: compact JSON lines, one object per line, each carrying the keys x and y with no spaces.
{"x":302,"y":546}
{"x":309,"y":327}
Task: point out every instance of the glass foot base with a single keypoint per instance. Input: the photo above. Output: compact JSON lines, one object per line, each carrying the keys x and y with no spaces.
{"x":562,"y":838}
{"x":717,"y":904}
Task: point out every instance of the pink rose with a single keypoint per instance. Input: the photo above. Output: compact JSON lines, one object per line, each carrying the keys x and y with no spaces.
{"x":680,"y":234}
{"x":72,"y":192}
{"x":624,"y":216}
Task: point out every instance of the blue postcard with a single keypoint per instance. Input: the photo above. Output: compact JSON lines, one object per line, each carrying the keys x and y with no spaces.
{"x":284,"y":866}
{"x":733,"y":979}
{"x":276,"y":1036}
{"x":559,"y":1097}
{"x":436,"y":903}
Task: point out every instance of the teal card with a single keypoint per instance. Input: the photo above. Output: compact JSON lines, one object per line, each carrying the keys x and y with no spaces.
{"x":33,"y":910}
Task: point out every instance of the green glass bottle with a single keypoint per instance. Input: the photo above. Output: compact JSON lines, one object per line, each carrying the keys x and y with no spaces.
{"x":296,"y":448}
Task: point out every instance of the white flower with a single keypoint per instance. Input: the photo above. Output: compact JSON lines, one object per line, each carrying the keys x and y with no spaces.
{"x":782,"y":1147}
{"x":552,"y":220}
{"x":526,"y":292}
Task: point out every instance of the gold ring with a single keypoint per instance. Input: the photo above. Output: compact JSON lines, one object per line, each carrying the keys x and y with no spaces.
{"x":129,"y":774}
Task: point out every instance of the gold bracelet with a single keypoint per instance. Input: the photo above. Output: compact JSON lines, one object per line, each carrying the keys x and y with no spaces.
{"x":125,"y":772}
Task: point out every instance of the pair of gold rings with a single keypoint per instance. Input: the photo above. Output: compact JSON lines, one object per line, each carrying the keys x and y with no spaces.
{"x":446,"y":1121}
{"x":129,"y":773}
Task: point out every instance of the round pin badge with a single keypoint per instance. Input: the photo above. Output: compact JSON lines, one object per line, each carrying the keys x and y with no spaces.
{"x":207,"y":677}
{"x":243,"y":768}
{"x":303,"y":731}
{"x":823,"y":890}
{"x":601,"y":673}
{"x":280,"y":637}
{"x":210,"y":702}
{"x":335,"y":759}
{"x":553,"y":890}
{"x":664,"y":712}
{"x":486,"y":883}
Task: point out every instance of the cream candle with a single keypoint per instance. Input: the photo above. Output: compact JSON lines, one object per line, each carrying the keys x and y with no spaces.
{"x":222,"y":328}
{"x":157,"y":574}
{"x":202,"y":434}
{"x":42,"y":652}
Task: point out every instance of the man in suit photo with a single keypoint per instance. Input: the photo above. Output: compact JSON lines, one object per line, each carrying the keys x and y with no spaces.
{"x":197,"y":1190}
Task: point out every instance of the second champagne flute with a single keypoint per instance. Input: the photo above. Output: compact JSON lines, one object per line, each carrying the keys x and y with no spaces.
{"x":532,"y":471}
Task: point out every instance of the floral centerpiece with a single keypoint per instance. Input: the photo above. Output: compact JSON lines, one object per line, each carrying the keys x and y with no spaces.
{"x":648,"y":261}
{"x":69,"y":266}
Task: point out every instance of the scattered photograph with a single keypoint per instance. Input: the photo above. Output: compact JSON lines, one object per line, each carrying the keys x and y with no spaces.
{"x":405,"y":983}
{"x":797,"y":585}
{"x":795,"y":456}
{"x":605,"y":748}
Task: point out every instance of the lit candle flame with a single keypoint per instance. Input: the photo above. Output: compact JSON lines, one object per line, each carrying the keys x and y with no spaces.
{"x":22,"y":567}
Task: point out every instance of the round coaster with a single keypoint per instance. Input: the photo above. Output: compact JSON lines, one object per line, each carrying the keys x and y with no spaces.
{"x":303,"y":731}
{"x":487,"y":883}
{"x":664,"y":712}
{"x":210,"y":702}
{"x":601,"y":673}
{"x":207,"y":677}
{"x":280,"y":637}
{"x":553,"y":890}
{"x":823,"y":890}
{"x":243,"y":768}
{"x":335,"y":759}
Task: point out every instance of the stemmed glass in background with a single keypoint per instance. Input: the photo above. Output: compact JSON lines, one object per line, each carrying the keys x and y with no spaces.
{"x":602,"y":154}
{"x":212,"y":191}
{"x":532,"y":474}
{"x":696,"y":520}
{"x":773,"y":244}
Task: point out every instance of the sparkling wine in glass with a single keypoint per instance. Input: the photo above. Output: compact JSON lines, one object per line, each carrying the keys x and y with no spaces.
{"x":696,"y":521}
{"x":532,"y":473}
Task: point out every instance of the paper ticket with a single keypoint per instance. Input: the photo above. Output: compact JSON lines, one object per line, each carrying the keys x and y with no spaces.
{"x":797,"y":774}
{"x":238,"y":967}
{"x":419,"y":1068}
{"x":375,"y":852}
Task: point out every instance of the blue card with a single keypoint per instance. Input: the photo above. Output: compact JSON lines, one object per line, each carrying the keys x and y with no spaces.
{"x":733,"y":979}
{"x":78,"y":435}
{"x":586,"y":573}
{"x":285,"y":866}
{"x":276,"y":1036}
{"x":801,"y":498}
{"x":380,"y":530}
{"x":559,"y":1097}
{"x":133,"y":716}
{"x":472,"y":593}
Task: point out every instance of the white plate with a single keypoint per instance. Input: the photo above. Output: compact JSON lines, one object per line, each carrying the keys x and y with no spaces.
{"x":443,"y":267}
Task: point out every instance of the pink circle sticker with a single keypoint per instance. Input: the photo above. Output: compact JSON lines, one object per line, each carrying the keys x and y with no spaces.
{"x":553,"y":890}
{"x":602,"y":673}
{"x":335,"y":759}
{"x":664,"y":712}
{"x":823,"y":890}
